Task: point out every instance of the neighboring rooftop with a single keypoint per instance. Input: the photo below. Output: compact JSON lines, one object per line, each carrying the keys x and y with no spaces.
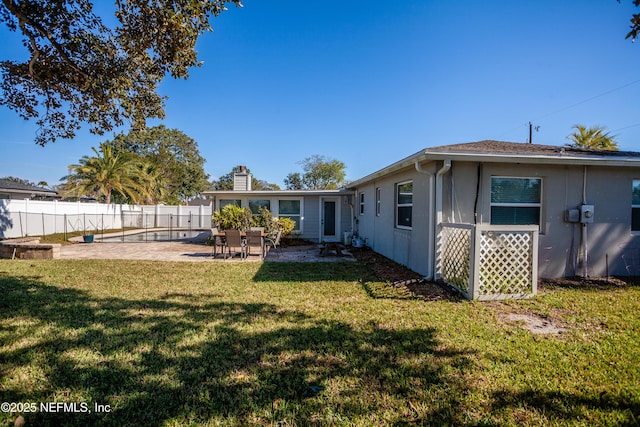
{"x":19,"y":188}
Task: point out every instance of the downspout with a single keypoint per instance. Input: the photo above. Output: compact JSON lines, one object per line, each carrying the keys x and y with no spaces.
{"x":351,"y":210}
{"x":443,"y":170}
{"x":430,"y":273}
{"x":435,"y":216}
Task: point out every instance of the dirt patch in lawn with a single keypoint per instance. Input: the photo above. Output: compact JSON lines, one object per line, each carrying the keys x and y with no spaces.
{"x":399,"y":276}
{"x":535,"y":323}
{"x":553,"y":323}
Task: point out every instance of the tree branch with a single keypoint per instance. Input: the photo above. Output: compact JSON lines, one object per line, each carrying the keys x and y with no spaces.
{"x":24,"y":20}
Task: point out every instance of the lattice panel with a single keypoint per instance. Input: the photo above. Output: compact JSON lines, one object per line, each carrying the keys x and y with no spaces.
{"x":455,"y":256}
{"x":505,"y":263}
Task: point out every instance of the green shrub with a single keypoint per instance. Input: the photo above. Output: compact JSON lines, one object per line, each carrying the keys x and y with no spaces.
{"x":271,"y":224}
{"x":286,"y":225}
{"x":265,"y":220}
{"x":232,"y":217}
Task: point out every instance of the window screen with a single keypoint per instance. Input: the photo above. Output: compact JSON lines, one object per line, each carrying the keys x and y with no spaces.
{"x":635,"y":205}
{"x":404,"y":204}
{"x":515,"y":201}
{"x":290,"y":209}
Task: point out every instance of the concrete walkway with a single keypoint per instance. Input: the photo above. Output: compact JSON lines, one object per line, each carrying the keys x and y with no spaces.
{"x":177,"y":251}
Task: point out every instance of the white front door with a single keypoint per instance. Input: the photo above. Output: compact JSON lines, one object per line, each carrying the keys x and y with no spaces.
{"x":329,"y":223}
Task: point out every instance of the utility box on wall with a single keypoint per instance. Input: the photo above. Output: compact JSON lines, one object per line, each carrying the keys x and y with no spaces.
{"x":586,"y":213}
{"x":572,"y":215}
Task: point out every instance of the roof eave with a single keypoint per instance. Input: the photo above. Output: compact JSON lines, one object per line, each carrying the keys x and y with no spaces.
{"x":21,"y":191}
{"x":538,"y":159}
{"x":289,"y":193}
{"x":395,"y":167}
{"x":426,"y":155}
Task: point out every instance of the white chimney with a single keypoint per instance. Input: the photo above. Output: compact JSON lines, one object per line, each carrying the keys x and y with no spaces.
{"x":242,"y":180}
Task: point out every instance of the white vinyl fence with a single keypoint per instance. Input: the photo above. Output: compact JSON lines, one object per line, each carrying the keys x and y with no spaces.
{"x":21,"y":218}
{"x":488,"y":262}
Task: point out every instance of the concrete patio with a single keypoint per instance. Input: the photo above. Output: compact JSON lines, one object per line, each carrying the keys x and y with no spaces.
{"x":178,"y":251}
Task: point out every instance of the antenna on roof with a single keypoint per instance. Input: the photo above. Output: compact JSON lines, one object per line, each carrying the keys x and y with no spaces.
{"x":531,"y":127}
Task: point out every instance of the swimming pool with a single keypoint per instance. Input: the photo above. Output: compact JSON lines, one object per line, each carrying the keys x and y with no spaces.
{"x":154,"y":236}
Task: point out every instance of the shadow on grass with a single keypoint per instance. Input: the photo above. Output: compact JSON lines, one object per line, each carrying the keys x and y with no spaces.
{"x":591,"y":283}
{"x":355,"y":272}
{"x":310,"y":272}
{"x":184,"y":359}
{"x":419,"y":290}
{"x":570,"y":406}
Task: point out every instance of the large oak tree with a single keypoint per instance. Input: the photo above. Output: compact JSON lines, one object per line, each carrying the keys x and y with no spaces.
{"x":172,"y":157}
{"x":100,"y":70}
{"x":635,"y":23}
{"x":320,"y":173}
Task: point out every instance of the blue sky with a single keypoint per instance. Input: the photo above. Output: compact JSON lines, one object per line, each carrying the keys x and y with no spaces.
{"x":371,"y":82}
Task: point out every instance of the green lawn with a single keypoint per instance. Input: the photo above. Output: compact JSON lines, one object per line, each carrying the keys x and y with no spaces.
{"x":304,"y":344}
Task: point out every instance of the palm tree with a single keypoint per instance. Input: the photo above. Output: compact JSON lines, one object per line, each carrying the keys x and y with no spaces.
{"x":105,"y":173}
{"x":595,"y":138}
{"x":155,"y":182}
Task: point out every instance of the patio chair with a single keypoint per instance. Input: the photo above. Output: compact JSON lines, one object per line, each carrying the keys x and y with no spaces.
{"x":234,"y":243}
{"x":217,"y":242}
{"x":254,"y":240}
{"x":274,"y":243}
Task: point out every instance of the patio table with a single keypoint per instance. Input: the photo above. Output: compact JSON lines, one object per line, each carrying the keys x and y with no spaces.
{"x":325,"y":247}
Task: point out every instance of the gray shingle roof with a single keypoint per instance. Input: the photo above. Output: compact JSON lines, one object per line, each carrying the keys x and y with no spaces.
{"x":12,"y":185}
{"x":519,"y":148}
{"x":507,"y":152}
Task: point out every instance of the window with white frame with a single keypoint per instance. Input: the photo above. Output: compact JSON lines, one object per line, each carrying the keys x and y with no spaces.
{"x":361,"y":203}
{"x":256,"y":204}
{"x":225,"y":202}
{"x":515,"y":201}
{"x":404,"y":204}
{"x":291,"y":209}
{"x":635,"y":205}
{"x":378,"y":198}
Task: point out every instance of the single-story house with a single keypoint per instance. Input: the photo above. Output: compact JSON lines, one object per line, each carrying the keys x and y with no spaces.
{"x":320,"y":215}
{"x":16,"y":190}
{"x":489,"y":217}
{"x":584,"y":206}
